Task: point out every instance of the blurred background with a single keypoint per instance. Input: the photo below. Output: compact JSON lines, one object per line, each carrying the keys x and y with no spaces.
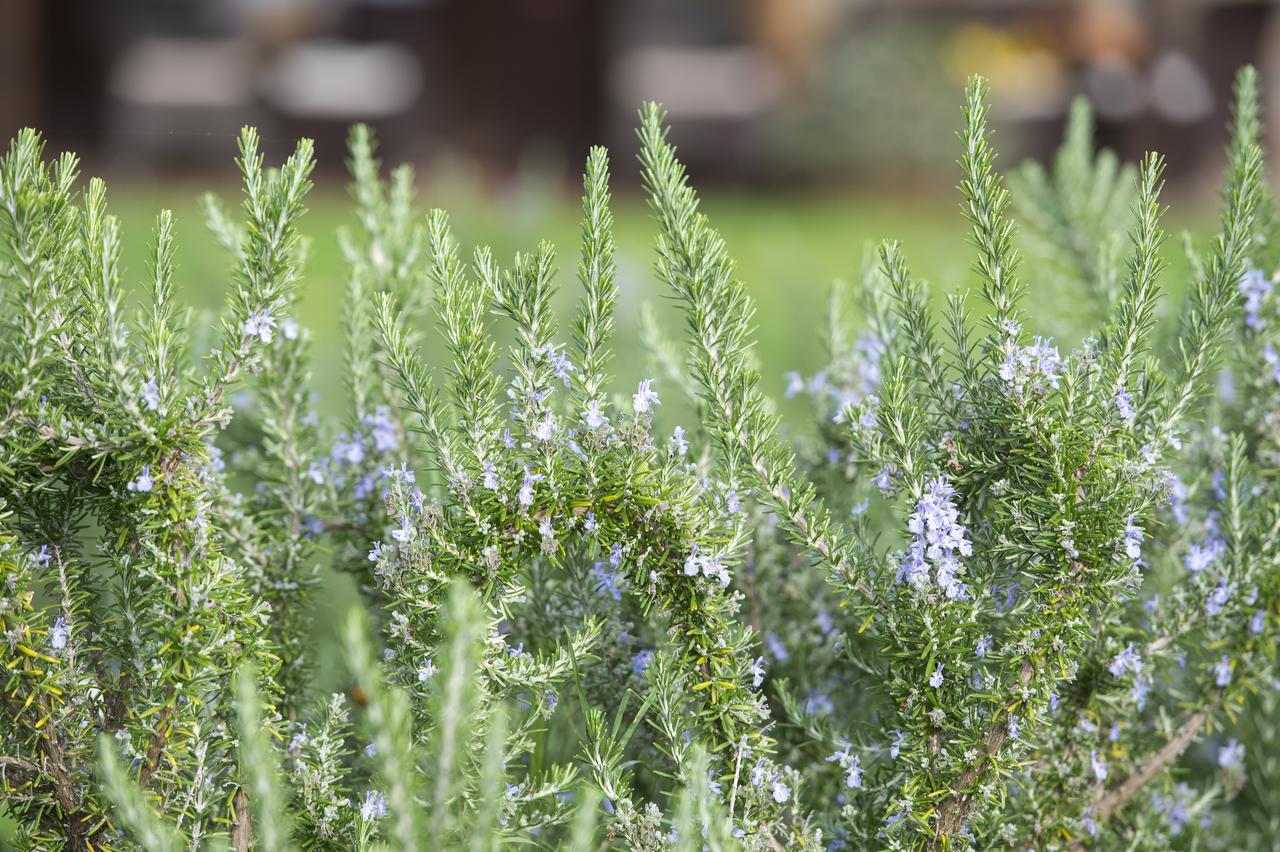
{"x":813,"y":127}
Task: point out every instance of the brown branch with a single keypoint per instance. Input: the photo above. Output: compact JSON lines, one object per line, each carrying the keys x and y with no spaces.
{"x":954,"y":809}
{"x":242,"y":832}
{"x":1106,"y":805}
{"x":19,"y":762}
{"x":57,"y":777}
{"x":157,"y":740}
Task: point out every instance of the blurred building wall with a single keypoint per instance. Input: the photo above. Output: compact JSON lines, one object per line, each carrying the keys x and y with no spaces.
{"x":808,"y":91}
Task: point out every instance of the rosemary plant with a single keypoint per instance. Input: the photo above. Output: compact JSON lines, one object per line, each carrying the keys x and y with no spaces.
{"x":1003,"y":593}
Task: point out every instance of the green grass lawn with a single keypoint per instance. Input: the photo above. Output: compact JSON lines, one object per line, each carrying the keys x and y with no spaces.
{"x":788,"y":250}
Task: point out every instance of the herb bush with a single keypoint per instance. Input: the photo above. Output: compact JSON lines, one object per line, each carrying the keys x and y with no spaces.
{"x":1002,"y":595}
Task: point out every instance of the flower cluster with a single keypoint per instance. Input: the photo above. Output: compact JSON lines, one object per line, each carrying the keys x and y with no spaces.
{"x":1031,"y":369}
{"x":940,"y":540}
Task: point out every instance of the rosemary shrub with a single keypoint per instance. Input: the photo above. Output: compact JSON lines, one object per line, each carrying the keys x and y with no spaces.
{"x":991,"y":599}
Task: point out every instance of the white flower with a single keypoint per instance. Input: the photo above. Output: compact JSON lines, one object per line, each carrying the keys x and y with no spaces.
{"x":151,"y":394}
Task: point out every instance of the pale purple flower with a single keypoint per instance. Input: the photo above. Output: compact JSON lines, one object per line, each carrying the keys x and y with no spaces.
{"x":895,"y":748}
{"x":851,"y":763}
{"x":1177,"y":498}
{"x":1231,"y":755}
{"x":1036,"y":367}
{"x":1222,"y":671}
{"x":525,"y":495}
{"x":58,"y":634}
{"x":713,"y":785}
{"x":776,"y":647}
{"x":708,"y":564}
{"x":546,"y":428}
{"x":374,"y":806}
{"x":884,"y":480}
{"x":1218,"y":597}
{"x":984,"y":645}
{"x":795,"y":384}
{"x":678,"y":442}
{"x":1254,"y":286}
{"x":1127,"y":660}
{"x":1098,"y":765}
{"x":939,"y":542}
{"x":348,"y":451}
{"x":1174,"y":808}
{"x":385,"y":439}
{"x":259,"y":325}
{"x":143,"y":482}
{"x":594,"y":417}
{"x":645,"y":397}
{"x":561,"y":368}
{"x":289,"y":327}
{"x":1272,"y":360}
{"x":1201,"y":556}
{"x":1133,"y":536}
{"x":1141,"y":688}
{"x":608,"y":581}
{"x":757,"y":672}
{"x":935,"y":679}
{"x":404,"y":533}
{"x":151,"y":394}
{"x":1124,"y":405}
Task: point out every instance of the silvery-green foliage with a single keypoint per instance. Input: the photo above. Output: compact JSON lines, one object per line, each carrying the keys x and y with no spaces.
{"x":1005,"y":593}
{"x":1147,"y":630}
{"x":124,"y":611}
